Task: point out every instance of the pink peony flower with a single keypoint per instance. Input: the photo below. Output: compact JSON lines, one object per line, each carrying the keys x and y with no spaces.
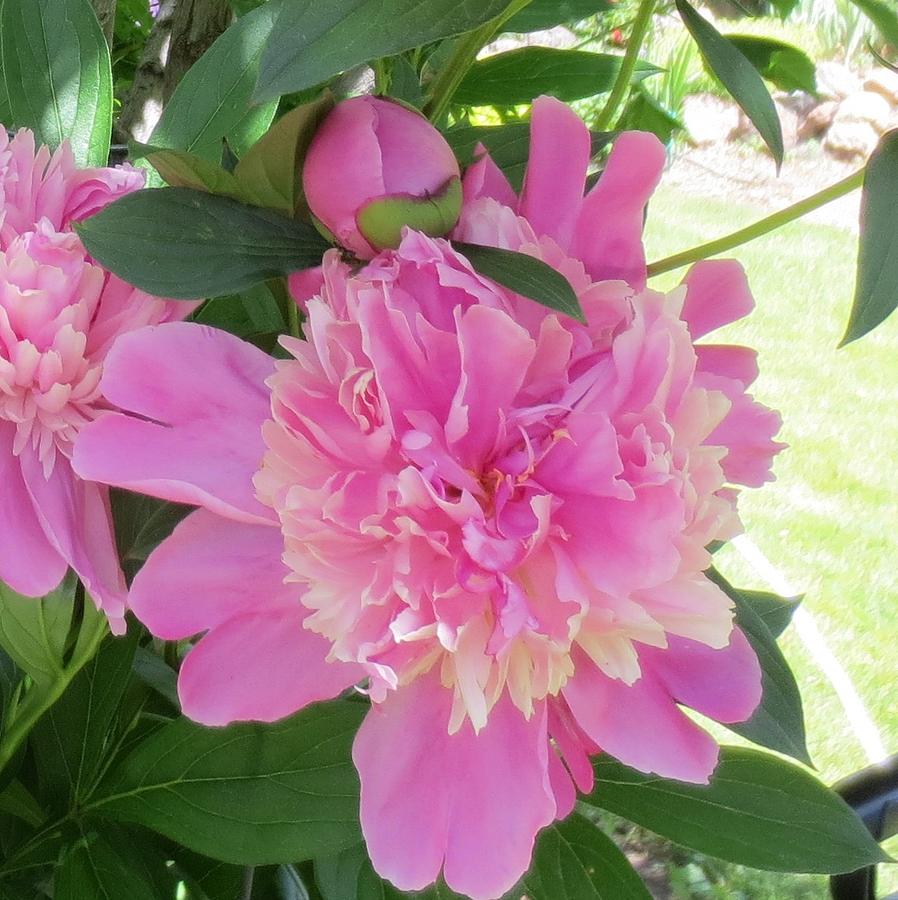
{"x":492,"y":518}
{"x":59,"y":314}
{"x":395,"y":169}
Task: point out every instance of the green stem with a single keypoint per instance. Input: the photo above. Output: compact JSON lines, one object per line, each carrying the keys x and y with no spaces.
{"x":39,"y":699}
{"x":628,"y":66}
{"x":466,"y":49}
{"x":761,"y":227}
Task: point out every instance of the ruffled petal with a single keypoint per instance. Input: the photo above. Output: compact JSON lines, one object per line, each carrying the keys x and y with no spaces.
{"x":199,"y":399}
{"x":640,"y":725}
{"x":608,"y":236}
{"x":207,"y":571}
{"x":717,"y":294}
{"x":29,"y":563}
{"x":260,"y":668}
{"x":556,"y":170}
{"x":447,"y":796}
{"x":483,"y":178}
{"x":76,"y":518}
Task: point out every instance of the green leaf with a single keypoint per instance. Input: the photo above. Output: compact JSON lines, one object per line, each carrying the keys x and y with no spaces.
{"x":10,"y":679}
{"x":270,"y":174}
{"x":573,"y":860}
{"x":178,"y":168}
{"x":883,"y":15}
{"x":644,"y":113}
{"x":789,"y":68}
{"x":34,"y":631}
{"x":104,"y":865}
{"x":738,"y":76}
{"x":155,"y":672}
{"x":250,"y":314}
{"x":540,"y":14}
{"x":405,"y":85}
{"x":774,"y":611}
{"x":15,"y":800}
{"x":517,"y":76}
{"x":525,"y":275}
{"x":71,"y":740}
{"x":876,"y":290}
{"x":314,"y":41}
{"x":758,"y":811}
{"x":508,"y":145}
{"x":246,"y":794}
{"x":58,"y":74}
{"x":212,"y":100}
{"x":185,"y":244}
{"x":778,"y":722}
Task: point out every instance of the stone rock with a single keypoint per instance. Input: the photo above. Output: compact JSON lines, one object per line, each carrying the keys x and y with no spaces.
{"x":865,"y":106}
{"x":835,"y":81}
{"x":817,"y":120}
{"x":885,"y":82}
{"x":850,"y":140}
{"x":708,"y":119}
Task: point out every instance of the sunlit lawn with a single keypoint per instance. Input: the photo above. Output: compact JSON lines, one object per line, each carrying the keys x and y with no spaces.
{"x":830,"y":521}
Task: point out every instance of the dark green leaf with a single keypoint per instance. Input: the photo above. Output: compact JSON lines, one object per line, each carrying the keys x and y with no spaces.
{"x":573,"y":860}
{"x":16,"y":801}
{"x":525,"y":275}
{"x":58,"y":75}
{"x":540,"y":14}
{"x":774,"y":611}
{"x":314,"y":41}
{"x":179,"y":168}
{"x":185,"y":244}
{"x":33,"y":631}
{"x":778,"y":722}
{"x":883,"y":15}
{"x":108,"y":867}
{"x":270,"y":174}
{"x":644,"y":113}
{"x":213,"y":99}
{"x":789,"y":68}
{"x":738,"y":76}
{"x":517,"y":76}
{"x":209,"y":879}
{"x":758,"y":811}
{"x":157,"y":526}
{"x":509,"y":146}
{"x":246,"y":794}
{"x":876,"y":290}
{"x":405,"y":85}
{"x":155,"y":672}
{"x":248,"y":314}
{"x":72,"y":738}
{"x":783,"y":8}
{"x":10,"y":678}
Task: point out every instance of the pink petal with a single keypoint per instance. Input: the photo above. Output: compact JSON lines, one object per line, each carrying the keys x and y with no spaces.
{"x":29,"y":563}
{"x":608,"y":235}
{"x":76,"y":517}
{"x":305,"y":284}
{"x":640,"y":725}
{"x":209,"y":570}
{"x":556,"y":171}
{"x":199,"y":399}
{"x":717,"y":294}
{"x":722,"y":684}
{"x":748,"y":430}
{"x":728,"y":360}
{"x":483,"y":178}
{"x":447,"y":796}
{"x":260,"y":668}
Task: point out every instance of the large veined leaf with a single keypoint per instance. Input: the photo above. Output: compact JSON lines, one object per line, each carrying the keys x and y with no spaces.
{"x":186,"y":244}
{"x":572,"y":860}
{"x":778,"y":722}
{"x":213,"y":99}
{"x":246,"y":794}
{"x":508,"y":145}
{"x":876,"y":291}
{"x":517,"y":76}
{"x":313,"y":41}
{"x":540,"y":14}
{"x":525,"y":275}
{"x":737,"y":75}
{"x":758,"y":811}
{"x":55,"y":63}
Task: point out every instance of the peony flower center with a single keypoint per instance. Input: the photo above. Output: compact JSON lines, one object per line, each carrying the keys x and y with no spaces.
{"x":48,"y":385}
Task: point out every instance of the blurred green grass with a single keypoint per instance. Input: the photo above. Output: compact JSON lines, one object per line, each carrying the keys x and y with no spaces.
{"x":830,"y":520}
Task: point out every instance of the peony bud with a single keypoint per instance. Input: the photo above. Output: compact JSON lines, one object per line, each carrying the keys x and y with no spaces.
{"x":375,"y":166}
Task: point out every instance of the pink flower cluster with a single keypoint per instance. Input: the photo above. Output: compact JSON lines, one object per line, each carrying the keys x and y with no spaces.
{"x":59,"y":315}
{"x":487,"y":516}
